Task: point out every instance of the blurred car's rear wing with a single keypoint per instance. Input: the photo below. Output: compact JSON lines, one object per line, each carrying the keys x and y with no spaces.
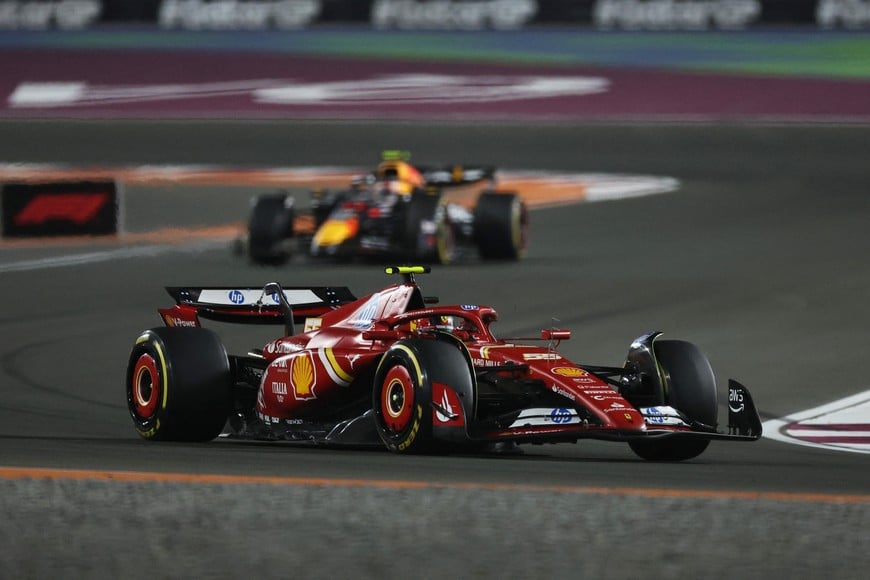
{"x":457,"y":174}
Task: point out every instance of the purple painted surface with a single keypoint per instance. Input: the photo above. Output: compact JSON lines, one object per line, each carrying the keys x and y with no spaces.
{"x":167,"y":85}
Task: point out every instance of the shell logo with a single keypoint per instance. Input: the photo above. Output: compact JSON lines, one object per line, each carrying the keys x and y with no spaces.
{"x":302,"y":377}
{"x":569,"y":372}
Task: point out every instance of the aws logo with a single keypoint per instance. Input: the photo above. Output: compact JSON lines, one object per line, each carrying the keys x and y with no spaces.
{"x":303,"y":377}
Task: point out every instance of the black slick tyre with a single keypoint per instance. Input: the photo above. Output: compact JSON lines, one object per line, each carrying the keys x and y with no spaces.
{"x":428,"y":235}
{"x":690,"y":387}
{"x":269,"y":227}
{"x":501,"y":224}
{"x":178,"y":384}
{"x":402,"y":393}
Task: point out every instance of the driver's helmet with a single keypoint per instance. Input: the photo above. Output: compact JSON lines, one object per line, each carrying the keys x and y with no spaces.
{"x":398,"y":177}
{"x":456,"y":325}
{"x":446,"y":323}
{"x":437,"y":322}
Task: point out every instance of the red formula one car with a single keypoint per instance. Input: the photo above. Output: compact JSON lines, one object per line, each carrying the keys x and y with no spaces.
{"x":393,"y":369}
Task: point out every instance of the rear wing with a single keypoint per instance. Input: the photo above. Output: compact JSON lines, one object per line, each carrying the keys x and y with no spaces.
{"x":447,"y":176}
{"x":250,"y":305}
{"x":457,"y":174}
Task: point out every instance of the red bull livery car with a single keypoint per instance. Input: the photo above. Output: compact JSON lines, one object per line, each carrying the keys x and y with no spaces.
{"x":397,"y":211}
{"x":395,"y":369}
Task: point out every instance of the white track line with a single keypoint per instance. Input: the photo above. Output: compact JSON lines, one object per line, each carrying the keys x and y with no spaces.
{"x":853,"y":410}
{"x":105,"y":256}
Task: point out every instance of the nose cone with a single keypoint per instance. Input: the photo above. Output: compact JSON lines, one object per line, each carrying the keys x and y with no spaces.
{"x":334,"y":232}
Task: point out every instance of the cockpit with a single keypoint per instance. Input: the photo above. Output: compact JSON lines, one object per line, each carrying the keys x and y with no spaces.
{"x":398,"y":177}
{"x":469,"y":326}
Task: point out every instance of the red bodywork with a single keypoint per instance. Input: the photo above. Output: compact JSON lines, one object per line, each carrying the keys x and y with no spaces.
{"x":393,"y":370}
{"x":330,"y":365}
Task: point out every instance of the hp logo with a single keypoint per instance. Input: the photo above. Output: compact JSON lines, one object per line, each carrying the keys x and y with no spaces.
{"x":560,"y":416}
{"x":236,"y":296}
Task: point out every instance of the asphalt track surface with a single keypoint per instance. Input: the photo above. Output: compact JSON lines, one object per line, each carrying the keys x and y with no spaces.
{"x":760,"y":258}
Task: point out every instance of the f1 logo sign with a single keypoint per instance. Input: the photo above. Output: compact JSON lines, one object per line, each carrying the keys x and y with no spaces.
{"x":60,"y":209}
{"x":78,"y":208}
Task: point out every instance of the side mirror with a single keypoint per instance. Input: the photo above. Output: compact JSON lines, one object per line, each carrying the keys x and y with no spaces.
{"x":554,"y":334}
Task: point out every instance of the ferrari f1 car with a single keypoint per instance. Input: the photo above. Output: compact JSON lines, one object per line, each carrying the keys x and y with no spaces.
{"x":394,"y":369}
{"x":397,"y":211}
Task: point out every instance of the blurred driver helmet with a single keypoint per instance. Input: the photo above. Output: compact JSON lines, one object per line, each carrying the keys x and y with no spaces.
{"x":399,"y":177}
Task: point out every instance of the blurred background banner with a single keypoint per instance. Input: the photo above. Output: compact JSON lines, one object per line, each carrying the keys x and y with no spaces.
{"x":434,"y":14}
{"x":436,"y":59}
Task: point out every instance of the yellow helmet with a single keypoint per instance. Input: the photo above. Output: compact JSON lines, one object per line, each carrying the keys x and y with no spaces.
{"x":402,"y":177}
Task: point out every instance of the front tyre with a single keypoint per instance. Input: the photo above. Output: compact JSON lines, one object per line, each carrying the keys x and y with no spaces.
{"x":501,"y":226}
{"x":690,"y":387}
{"x":429,"y":235}
{"x":270,"y":227}
{"x":178,"y":384}
{"x":674,"y":449}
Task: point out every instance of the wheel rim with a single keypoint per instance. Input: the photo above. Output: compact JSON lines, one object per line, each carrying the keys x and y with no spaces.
{"x":397,"y":399}
{"x":144,"y":388}
{"x":520,"y":227}
{"x":446,"y":245}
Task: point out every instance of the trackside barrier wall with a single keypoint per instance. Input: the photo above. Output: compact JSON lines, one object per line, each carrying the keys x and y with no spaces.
{"x":434,"y":14}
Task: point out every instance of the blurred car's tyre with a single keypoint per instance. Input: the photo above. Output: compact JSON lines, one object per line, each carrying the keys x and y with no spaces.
{"x":179,"y":384}
{"x":501,"y":224}
{"x":270,"y":227}
{"x":429,"y":236}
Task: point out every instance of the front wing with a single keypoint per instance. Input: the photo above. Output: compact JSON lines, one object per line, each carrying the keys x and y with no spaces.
{"x":552,"y":425}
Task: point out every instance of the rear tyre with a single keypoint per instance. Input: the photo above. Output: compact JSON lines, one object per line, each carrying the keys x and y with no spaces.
{"x":690,"y":387}
{"x":269,"y":228}
{"x":429,"y":235}
{"x":179,"y":384}
{"x":402,"y":394}
{"x":501,"y":226}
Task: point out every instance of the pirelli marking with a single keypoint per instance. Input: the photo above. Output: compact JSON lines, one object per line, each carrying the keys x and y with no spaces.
{"x":163,"y":373}
{"x":413,"y":360}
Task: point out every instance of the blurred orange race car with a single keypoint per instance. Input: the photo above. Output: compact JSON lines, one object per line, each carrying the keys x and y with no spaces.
{"x":398,"y":211}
